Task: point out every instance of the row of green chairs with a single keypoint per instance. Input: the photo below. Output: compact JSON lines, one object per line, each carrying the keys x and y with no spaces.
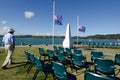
{"x":76,"y":58}
{"x":104,"y":66}
{"x":39,"y":64}
{"x":67,"y":51}
{"x":99,"y":55}
{"x":59,"y":56}
{"x":30,"y":60}
{"x":57,"y":69}
{"x":101,"y":65}
{"x":94,"y":54}
{"x":60,"y":73}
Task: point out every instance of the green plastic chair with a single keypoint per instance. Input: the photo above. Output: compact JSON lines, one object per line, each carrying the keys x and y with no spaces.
{"x":96,"y":55}
{"x":60,"y":72}
{"x":117,"y":62}
{"x":93,"y":76}
{"x":77,"y":51}
{"x":62,"y":59}
{"x":55,"y":48}
{"x":79,"y":62}
{"x":117,"y":59}
{"x":45,"y":68}
{"x":42,"y":53}
{"x":105,"y":66}
{"x":27,"y":55}
{"x":32,"y":62}
{"x":51,"y":55}
{"x":68,"y":52}
{"x":61,"y":49}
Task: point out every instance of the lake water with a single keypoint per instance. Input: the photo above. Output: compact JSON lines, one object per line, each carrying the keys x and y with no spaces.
{"x":38,"y":41}
{"x":35,"y":41}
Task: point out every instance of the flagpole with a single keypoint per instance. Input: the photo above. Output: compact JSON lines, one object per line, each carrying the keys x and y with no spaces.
{"x":53,"y":23}
{"x":77,"y":28}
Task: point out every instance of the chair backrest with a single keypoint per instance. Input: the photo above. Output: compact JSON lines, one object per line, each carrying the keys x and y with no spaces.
{"x":105,"y":66}
{"x":68,"y":51}
{"x":93,"y":76}
{"x":50,"y":53}
{"x":61,"y":56}
{"x":59,"y":70}
{"x":77,"y":51}
{"x":61,"y":49}
{"x":78,"y":60}
{"x":38,"y":63}
{"x":96,"y":55}
{"x":117,"y":59}
{"x":41,"y":51}
{"x":32,"y":58}
{"x":27,"y":55}
{"x":55,"y":48}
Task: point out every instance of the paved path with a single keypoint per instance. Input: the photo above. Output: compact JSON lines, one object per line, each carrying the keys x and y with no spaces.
{"x":110,"y":51}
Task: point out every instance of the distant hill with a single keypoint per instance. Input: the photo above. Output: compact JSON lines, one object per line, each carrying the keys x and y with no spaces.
{"x":108,"y":36}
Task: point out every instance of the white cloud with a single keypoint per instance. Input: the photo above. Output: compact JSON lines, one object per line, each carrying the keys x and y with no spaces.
{"x":38,"y":33}
{"x":3,"y":22}
{"x":42,"y":34}
{"x":3,"y":30}
{"x":48,"y":34}
{"x":62,"y":35}
{"x":28,"y":14}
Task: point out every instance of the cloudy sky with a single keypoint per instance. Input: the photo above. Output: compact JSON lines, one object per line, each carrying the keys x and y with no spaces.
{"x":35,"y":17}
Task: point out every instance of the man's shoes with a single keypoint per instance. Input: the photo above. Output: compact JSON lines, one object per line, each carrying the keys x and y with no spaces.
{"x":4,"y":67}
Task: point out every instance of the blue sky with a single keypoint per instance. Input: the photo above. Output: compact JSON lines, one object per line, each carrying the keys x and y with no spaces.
{"x":34,"y":17}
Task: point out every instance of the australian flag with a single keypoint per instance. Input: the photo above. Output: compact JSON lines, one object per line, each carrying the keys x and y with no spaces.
{"x":58,"y":19}
{"x":82,"y":28}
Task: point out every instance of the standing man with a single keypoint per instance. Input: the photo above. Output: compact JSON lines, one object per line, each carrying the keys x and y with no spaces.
{"x":9,"y":43}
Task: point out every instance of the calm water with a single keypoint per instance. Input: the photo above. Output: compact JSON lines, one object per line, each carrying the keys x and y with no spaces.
{"x":35,"y":41}
{"x":38,"y":41}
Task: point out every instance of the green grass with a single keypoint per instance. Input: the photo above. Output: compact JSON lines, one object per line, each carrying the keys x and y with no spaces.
{"x":18,"y":72}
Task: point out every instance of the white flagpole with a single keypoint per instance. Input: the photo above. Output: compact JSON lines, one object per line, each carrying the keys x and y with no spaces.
{"x":77,"y":28}
{"x":53,"y":22}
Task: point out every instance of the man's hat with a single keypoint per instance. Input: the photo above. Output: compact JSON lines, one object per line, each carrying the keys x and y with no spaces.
{"x":11,"y":30}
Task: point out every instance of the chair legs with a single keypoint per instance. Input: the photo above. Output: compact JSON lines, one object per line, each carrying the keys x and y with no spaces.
{"x":43,"y":58}
{"x":26,"y":64}
{"x":46,"y":76}
{"x":29,"y":68}
{"x":54,"y":78}
{"x":35,"y":75}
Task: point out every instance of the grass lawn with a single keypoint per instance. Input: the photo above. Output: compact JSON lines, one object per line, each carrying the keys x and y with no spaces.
{"x":18,"y":72}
